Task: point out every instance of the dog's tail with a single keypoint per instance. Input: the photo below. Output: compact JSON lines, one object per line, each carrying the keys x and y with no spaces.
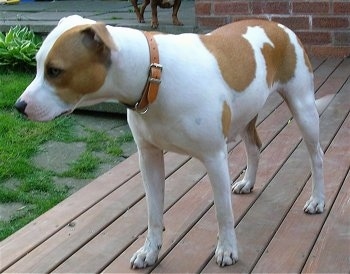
{"x":323,"y":102}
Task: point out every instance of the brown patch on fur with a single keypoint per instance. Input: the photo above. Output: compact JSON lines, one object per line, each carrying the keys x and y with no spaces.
{"x":81,"y":56}
{"x":226,"y":119}
{"x":233,"y":53}
{"x":281,"y":58}
{"x":252,"y":133}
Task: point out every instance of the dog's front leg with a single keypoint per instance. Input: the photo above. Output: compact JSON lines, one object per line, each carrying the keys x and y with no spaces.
{"x":176,"y":8}
{"x":142,"y":11}
{"x":136,"y":9}
{"x":152,"y":171}
{"x":226,"y":251}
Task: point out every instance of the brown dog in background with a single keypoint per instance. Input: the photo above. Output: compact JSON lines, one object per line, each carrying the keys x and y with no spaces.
{"x":164,"y":4}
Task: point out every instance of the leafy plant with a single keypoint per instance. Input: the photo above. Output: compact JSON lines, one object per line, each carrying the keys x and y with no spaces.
{"x":18,"y":48}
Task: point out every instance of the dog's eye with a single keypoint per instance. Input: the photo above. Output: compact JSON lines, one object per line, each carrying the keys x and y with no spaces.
{"x":53,"y":72}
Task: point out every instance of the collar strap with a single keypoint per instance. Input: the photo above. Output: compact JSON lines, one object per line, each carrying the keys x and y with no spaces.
{"x":150,"y":91}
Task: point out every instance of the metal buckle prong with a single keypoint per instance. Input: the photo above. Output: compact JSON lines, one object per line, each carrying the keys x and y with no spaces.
{"x":140,"y":111}
{"x":154,"y":80}
{"x":156,"y":65}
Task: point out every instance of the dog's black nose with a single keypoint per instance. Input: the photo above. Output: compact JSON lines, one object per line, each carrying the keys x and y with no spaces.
{"x":21,"y":106}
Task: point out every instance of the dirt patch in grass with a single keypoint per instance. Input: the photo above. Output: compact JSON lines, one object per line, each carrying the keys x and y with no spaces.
{"x":72,"y":184}
{"x":58,"y":156}
{"x":8,"y":210}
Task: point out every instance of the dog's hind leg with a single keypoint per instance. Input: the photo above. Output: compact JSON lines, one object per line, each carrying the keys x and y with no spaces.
{"x":217,"y":166}
{"x":301,"y":102}
{"x":252,"y":146}
{"x":152,"y":171}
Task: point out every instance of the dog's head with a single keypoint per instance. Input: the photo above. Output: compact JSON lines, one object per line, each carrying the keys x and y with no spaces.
{"x":72,"y":65}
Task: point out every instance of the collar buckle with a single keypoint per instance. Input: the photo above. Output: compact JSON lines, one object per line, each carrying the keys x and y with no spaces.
{"x":156,"y":65}
{"x":150,"y":91}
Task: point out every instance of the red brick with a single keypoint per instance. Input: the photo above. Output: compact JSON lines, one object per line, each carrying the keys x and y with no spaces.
{"x":231,"y":7}
{"x":315,"y":37}
{"x":249,"y":17}
{"x":303,"y":7}
{"x":323,"y":26}
{"x":273,"y":7}
{"x":203,"y":8}
{"x":330,"y":22}
{"x":293,"y":22}
{"x":212,"y":22}
{"x":342,"y":38}
{"x":341,"y":7}
{"x":329,"y":51}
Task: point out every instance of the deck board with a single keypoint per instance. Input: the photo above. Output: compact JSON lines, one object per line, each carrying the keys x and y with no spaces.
{"x":87,"y":225}
{"x":333,"y":237}
{"x":126,"y":228}
{"x":301,"y":229}
{"x":25,"y":240}
{"x":98,"y":228}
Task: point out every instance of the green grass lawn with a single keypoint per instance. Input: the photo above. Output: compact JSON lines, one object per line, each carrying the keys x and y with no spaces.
{"x":22,"y":182}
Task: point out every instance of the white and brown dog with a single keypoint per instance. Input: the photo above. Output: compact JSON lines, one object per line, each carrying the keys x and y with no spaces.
{"x":212,"y":88}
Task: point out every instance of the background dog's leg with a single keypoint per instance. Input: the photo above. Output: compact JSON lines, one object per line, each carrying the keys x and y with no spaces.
{"x":154,"y":23}
{"x":305,"y":114}
{"x":252,"y":145}
{"x":136,"y":9}
{"x":226,"y":251}
{"x":176,"y":8}
{"x":143,"y":7}
{"x":152,"y":171}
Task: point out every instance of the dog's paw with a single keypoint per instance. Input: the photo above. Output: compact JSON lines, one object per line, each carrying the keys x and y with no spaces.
{"x":242,"y":187}
{"x":139,"y":16}
{"x":314,"y":205}
{"x":226,"y":255}
{"x":154,"y":24}
{"x":176,"y":21}
{"x":144,"y":257}
{"x":141,"y":20}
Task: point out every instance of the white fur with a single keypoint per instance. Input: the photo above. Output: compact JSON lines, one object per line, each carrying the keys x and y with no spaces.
{"x":186,"y":118}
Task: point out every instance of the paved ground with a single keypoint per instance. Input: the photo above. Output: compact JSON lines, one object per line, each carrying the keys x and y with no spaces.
{"x":42,"y":16}
{"x":58,"y":156}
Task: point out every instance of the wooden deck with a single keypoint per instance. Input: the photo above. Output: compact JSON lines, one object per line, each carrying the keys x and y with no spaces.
{"x":98,"y":228}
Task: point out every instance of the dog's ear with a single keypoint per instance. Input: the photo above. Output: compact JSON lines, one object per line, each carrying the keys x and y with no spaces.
{"x":97,"y":35}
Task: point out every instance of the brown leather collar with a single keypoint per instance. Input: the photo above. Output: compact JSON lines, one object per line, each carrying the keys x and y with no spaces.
{"x":150,"y":91}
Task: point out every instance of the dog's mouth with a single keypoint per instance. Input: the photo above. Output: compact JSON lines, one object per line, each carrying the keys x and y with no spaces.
{"x":71,"y":110}
{"x":65,"y":113}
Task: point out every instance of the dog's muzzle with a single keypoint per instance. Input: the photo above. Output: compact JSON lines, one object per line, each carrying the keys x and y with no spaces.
{"x":21,"y":106}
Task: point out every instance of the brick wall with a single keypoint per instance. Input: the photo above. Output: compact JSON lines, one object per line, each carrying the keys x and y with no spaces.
{"x":322,"y":26}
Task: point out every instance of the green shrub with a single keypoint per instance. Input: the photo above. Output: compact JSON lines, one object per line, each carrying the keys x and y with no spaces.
{"x":18,"y":48}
